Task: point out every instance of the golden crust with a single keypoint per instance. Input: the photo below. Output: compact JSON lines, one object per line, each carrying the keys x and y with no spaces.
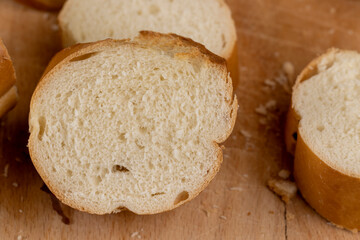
{"x":334,"y":195}
{"x":50,"y":5}
{"x":8,"y":92}
{"x":151,"y":39}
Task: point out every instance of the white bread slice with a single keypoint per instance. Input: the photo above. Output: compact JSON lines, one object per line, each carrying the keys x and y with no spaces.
{"x":51,"y":5}
{"x":131,"y":124}
{"x":208,"y":22}
{"x":325,"y":120}
{"x":8,"y":91}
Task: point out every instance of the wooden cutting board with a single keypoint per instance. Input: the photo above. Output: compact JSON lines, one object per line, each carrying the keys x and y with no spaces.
{"x":237,"y":204}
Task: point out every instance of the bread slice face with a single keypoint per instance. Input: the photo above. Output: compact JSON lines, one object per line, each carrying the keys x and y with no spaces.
{"x":8,"y":90}
{"x":325,"y":120}
{"x":208,"y":22}
{"x":131,"y":124}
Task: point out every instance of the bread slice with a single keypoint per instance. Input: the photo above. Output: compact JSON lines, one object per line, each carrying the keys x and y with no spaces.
{"x":208,"y":22}
{"x":131,"y":124}
{"x":51,"y":5}
{"x":324,"y":119}
{"x":8,"y":91}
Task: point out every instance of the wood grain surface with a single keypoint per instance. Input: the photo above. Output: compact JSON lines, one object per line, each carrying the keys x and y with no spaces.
{"x":237,"y":204}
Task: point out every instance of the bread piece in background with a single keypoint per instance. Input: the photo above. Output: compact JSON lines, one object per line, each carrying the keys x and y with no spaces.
{"x":8,"y":91}
{"x":131,"y":124}
{"x":50,"y":5}
{"x":323,"y":129}
{"x":208,"y":22}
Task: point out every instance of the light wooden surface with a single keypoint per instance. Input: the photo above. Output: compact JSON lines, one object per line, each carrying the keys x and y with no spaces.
{"x":237,"y":204}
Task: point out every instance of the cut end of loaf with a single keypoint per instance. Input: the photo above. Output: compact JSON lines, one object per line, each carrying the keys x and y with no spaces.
{"x":131,"y":125}
{"x":328,"y":106}
{"x":207,"y":22}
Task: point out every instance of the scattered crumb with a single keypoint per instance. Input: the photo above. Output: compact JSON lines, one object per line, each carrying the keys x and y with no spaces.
{"x":245,"y":133}
{"x":270,"y":83}
{"x":289,"y":70}
{"x":215,"y":206}
{"x":240,"y":189}
{"x":350,"y":32}
{"x":15,"y":184}
{"x":22,"y":199}
{"x":54,"y":27}
{"x":271,"y":212}
{"x":270,"y":105}
{"x":243,"y":69}
{"x":249,"y":213}
{"x":284,"y":174}
{"x":290,"y":216}
{"x":6,"y":170}
{"x":284,"y":188}
{"x":207,"y":213}
{"x":46,"y":16}
{"x":282,"y":80}
{"x":276,"y":54}
{"x":20,"y":211}
{"x":222,"y":147}
{"x":17,"y":159}
{"x":331,"y":31}
{"x":19,"y":237}
{"x":263,"y":121}
{"x":135,"y":234}
{"x":261,"y":109}
{"x":332,"y":10}
{"x":246,"y":176}
{"x":223,"y":217}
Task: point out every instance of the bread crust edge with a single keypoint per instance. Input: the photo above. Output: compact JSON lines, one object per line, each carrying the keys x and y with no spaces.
{"x":331,"y":193}
{"x":67,"y":54}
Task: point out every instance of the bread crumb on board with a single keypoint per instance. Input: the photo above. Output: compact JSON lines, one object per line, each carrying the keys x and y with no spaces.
{"x":15,"y":184}
{"x":284,"y":174}
{"x":239,"y":189}
{"x":283,"y":188}
{"x":223,"y":217}
{"x":6,"y":170}
{"x":289,"y":216}
{"x":19,"y":237}
{"x":135,"y":234}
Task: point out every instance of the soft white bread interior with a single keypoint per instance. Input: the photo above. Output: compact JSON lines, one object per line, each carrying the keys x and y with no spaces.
{"x":325,"y":120}
{"x":8,"y":90}
{"x":208,"y":22}
{"x":131,"y":124}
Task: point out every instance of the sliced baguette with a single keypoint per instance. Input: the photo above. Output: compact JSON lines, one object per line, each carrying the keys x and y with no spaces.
{"x":131,"y":124}
{"x":8,"y":91}
{"x":323,"y":129}
{"x":208,"y":22}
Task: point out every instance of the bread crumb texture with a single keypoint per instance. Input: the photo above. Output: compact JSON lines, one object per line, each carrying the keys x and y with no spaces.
{"x":328,"y":104}
{"x":205,"y":21}
{"x":131,"y":124}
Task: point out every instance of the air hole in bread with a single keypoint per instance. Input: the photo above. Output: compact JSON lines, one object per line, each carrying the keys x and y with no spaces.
{"x":69,"y":173}
{"x":83,"y":57}
{"x":223,"y":40}
{"x":120,"y":209}
{"x":97,"y":180}
{"x":42,"y":125}
{"x":139,"y":12}
{"x":320,"y":128}
{"x":154,"y":10}
{"x":181,"y":197}
{"x":294,"y":136}
{"x":58,"y":95}
{"x":118,"y":168}
{"x":158,"y":193}
{"x":183,"y":180}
